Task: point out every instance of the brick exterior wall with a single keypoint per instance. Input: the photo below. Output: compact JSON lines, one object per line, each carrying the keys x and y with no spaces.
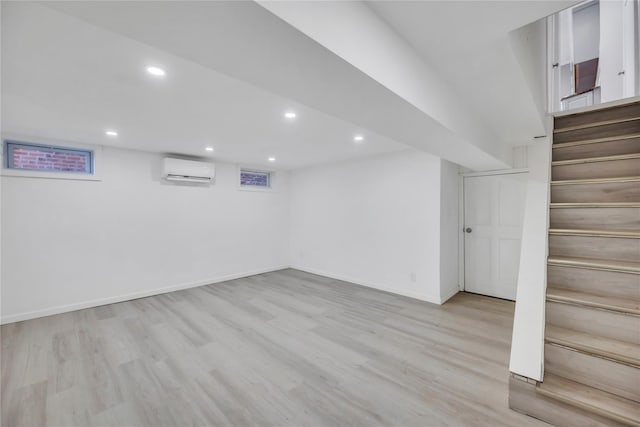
{"x":45,"y":160}
{"x":256,"y":179}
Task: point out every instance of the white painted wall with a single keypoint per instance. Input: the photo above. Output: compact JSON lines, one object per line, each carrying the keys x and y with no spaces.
{"x":449,"y":230}
{"x":630,"y":47}
{"x":389,"y":222}
{"x":527,"y":343}
{"x":1,"y":246}
{"x":376,"y":222}
{"x":637,"y":47}
{"x":529,"y":45}
{"x":1,"y":184}
{"x":619,"y":39}
{"x":72,"y":244}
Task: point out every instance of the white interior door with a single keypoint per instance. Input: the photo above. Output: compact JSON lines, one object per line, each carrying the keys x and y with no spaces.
{"x":493,"y":212}
{"x":611,"y":44}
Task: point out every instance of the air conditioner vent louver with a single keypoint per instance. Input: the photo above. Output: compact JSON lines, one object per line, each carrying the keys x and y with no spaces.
{"x":187,"y":170}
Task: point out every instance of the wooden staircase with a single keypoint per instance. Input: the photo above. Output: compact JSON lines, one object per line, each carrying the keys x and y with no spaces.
{"x":592,"y":335}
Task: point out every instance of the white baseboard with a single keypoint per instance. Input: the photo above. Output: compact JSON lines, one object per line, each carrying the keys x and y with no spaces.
{"x":127,"y":297}
{"x":415,"y":295}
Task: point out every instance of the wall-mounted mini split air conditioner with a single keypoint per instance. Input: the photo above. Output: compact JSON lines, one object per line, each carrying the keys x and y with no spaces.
{"x":187,"y":170}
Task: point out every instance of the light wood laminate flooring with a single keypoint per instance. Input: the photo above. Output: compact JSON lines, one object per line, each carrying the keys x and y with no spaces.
{"x":286,"y":348}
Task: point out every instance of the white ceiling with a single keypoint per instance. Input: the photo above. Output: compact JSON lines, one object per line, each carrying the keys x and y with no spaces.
{"x":467,"y":42}
{"x":70,"y":70}
{"x":447,"y":29}
{"x":65,"y":79}
{"x":242,"y":40}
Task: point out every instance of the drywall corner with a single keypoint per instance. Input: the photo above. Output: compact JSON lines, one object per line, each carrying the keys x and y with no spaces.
{"x":449,"y":200}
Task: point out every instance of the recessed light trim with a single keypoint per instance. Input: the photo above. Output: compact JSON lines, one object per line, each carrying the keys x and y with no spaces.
{"x":358,"y":138}
{"x":209,"y":148}
{"x":111,"y":133}
{"x":290,"y":115}
{"x":156,"y":71}
{"x":272,"y":159}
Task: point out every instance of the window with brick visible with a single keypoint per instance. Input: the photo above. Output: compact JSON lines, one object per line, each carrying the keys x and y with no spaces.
{"x":46,"y":158}
{"x":252,"y":178}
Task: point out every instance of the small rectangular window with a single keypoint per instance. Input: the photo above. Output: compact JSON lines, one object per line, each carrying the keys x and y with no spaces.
{"x":252,"y":178}
{"x":47,"y":158}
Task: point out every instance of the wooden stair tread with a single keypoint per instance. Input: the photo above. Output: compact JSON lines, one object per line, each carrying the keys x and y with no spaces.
{"x":595,"y":263}
{"x":590,"y":399}
{"x":596,"y":205}
{"x":596,"y":124}
{"x":595,"y":140}
{"x":618,"y":351}
{"x":596,"y":159}
{"x":597,"y":181}
{"x":595,"y":233}
{"x":622,"y":305}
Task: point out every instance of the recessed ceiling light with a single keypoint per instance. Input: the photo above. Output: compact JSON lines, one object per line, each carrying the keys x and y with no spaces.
{"x":358,"y":138}
{"x":111,"y":133}
{"x":155,"y":71}
{"x":209,"y":148}
{"x":290,"y":115}
{"x":272,"y":159}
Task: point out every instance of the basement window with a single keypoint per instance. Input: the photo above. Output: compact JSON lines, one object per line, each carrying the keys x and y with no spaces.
{"x":48,"y":158}
{"x":255,"y":179}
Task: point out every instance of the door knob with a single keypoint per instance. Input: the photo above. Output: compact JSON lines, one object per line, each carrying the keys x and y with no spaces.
{"x":468,"y":230}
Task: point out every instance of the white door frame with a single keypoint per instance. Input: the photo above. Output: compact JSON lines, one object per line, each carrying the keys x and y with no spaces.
{"x":461,"y":219}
